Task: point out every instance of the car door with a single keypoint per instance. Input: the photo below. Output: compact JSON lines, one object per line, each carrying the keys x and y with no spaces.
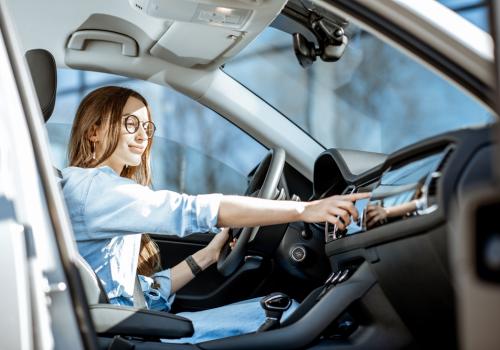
{"x":38,"y":295}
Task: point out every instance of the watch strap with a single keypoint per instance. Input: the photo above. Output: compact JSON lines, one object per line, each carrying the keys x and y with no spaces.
{"x":195,"y":268}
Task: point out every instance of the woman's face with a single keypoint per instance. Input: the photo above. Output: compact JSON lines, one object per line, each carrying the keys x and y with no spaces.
{"x":130,"y":146}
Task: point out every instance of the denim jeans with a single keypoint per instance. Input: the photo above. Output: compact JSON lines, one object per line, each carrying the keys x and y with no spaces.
{"x":225,"y":321}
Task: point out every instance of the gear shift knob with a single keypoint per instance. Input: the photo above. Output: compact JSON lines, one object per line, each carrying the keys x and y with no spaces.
{"x":274,"y":305}
{"x":276,"y":302}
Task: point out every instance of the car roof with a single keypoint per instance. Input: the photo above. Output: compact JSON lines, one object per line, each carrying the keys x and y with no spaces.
{"x":182,"y":43}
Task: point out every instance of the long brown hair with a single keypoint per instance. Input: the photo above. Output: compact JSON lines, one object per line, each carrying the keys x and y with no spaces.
{"x":102,"y":109}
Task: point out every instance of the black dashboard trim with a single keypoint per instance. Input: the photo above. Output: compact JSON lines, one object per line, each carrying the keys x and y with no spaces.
{"x":384,"y":234}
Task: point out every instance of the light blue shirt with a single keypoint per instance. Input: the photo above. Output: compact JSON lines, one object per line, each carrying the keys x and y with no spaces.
{"x":109,"y":213}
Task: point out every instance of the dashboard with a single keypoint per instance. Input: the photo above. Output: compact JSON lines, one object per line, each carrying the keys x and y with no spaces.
{"x":406,"y":252}
{"x":415,"y":182}
{"x":401,"y":191}
{"x":393,"y":274}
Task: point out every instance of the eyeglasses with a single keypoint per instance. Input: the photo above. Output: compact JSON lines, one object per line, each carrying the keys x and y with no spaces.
{"x":132,"y":124}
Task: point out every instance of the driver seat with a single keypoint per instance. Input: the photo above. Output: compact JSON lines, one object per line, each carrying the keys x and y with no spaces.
{"x":108,"y":319}
{"x":44,"y":76}
{"x":43,"y":71}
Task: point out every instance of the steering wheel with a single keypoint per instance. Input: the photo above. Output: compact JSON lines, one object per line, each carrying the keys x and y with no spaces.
{"x":265,"y":181}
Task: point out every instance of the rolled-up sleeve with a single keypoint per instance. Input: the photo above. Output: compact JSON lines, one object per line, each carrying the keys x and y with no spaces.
{"x":160,"y":298}
{"x":116,"y":205}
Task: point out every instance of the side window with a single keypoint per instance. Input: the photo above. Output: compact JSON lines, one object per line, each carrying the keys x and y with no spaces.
{"x":195,"y":150}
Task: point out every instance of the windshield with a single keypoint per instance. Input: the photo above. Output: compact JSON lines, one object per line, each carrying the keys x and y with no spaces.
{"x":373,"y":99}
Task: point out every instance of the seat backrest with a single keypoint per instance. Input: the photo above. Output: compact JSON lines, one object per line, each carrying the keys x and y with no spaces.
{"x":43,"y":71}
{"x":92,"y":285}
{"x":44,"y":75}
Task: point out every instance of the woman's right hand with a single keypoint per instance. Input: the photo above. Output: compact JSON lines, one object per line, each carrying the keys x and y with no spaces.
{"x":337,"y":210}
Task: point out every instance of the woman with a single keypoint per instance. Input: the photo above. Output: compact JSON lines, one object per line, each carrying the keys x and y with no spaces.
{"x":111,"y":205}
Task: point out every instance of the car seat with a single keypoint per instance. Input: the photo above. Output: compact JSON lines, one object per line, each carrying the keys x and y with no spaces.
{"x":108,"y":319}
{"x":43,"y":71}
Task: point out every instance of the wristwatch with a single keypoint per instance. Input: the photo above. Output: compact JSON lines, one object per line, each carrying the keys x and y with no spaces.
{"x":195,"y":268}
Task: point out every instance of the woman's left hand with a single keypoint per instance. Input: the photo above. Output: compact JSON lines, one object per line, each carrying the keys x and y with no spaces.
{"x":217,"y":243}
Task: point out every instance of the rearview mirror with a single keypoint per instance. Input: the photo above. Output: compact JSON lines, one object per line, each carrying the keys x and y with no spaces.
{"x":306,"y":51}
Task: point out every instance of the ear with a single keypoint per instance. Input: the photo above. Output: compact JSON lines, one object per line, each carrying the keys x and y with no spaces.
{"x":93,"y":134}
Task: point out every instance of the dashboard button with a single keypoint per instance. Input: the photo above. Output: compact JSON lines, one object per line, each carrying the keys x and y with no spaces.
{"x":298,"y":254}
{"x":334,"y":277}
{"x":343,"y":277}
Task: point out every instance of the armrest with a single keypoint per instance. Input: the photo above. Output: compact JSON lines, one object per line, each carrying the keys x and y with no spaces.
{"x":124,"y":320}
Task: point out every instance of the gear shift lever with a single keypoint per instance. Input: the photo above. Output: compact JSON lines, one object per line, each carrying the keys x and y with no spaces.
{"x":274,"y":305}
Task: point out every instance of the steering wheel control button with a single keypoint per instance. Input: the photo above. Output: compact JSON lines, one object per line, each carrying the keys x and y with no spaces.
{"x":343,"y":276}
{"x":298,"y":254}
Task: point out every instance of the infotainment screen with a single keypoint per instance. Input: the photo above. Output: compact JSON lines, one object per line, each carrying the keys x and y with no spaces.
{"x":358,"y":225}
{"x":400,"y":191}
{"x":400,"y":185}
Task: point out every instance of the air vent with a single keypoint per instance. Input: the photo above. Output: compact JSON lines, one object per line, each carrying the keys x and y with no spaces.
{"x":432,"y":187}
{"x":432,"y":182}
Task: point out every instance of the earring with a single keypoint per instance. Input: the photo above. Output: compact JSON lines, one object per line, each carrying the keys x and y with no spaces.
{"x":93,"y":150}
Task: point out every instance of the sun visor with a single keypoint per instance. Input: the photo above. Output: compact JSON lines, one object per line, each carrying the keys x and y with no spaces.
{"x":204,"y":46}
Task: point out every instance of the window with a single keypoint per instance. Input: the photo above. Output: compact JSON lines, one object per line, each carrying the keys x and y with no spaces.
{"x":194,"y":151}
{"x":373,"y":99}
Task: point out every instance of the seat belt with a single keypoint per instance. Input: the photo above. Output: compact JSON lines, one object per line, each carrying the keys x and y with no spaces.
{"x":139,"y":300}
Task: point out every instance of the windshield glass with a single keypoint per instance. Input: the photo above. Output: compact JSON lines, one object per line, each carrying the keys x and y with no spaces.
{"x":373,"y":99}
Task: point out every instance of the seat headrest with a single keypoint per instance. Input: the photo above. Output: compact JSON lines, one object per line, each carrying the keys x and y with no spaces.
{"x":44,"y":74}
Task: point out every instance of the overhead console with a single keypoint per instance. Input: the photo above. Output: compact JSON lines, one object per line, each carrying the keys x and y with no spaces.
{"x":193,"y":34}
{"x":201,"y":32}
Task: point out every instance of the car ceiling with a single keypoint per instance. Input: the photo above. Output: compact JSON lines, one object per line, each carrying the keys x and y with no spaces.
{"x":184,"y":51}
{"x":164,"y":53}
